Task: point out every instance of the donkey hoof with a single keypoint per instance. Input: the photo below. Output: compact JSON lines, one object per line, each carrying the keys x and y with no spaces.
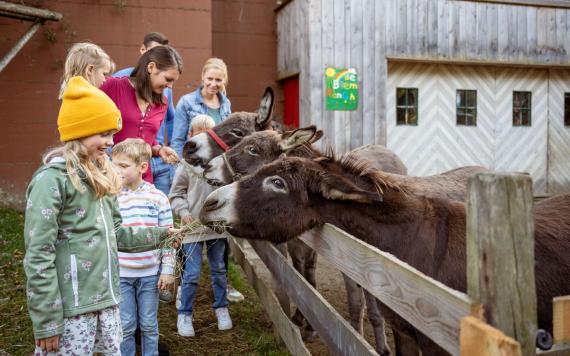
{"x":309,"y":335}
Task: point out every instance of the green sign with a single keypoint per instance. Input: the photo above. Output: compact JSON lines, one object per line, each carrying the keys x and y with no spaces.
{"x":342,"y":89}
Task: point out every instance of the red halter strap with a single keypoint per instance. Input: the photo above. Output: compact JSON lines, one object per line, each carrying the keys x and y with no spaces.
{"x":218,"y":140}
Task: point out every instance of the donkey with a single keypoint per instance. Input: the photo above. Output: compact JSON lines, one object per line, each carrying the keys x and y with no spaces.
{"x":207,"y":145}
{"x":266,"y":146}
{"x":390,"y":212}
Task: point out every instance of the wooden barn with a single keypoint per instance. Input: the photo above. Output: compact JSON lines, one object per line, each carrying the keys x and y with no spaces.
{"x":443,"y":83}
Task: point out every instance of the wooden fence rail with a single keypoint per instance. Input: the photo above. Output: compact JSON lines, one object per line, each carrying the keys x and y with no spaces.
{"x":435,"y":309}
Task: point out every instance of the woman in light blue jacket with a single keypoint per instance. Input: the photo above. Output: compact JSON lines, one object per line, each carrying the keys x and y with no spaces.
{"x":209,"y":99}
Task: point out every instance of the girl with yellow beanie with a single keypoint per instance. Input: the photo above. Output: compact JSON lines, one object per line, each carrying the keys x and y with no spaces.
{"x":73,"y":230}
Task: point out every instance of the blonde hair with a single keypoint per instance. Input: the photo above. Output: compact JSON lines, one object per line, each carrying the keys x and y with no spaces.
{"x":217,"y":63}
{"x":202,"y":122}
{"x":99,"y":173}
{"x":135,"y":149}
{"x":79,"y":57}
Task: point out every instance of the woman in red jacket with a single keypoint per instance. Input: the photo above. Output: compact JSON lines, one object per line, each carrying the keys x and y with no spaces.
{"x":141,"y":101}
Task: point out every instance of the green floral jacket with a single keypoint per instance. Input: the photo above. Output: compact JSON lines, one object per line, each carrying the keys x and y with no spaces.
{"x":71,"y":239}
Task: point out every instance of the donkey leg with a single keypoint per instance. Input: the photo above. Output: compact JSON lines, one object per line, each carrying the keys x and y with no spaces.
{"x":355,"y":303}
{"x":405,"y":335}
{"x":296,"y":253}
{"x":310,"y":269}
{"x":375,"y":317}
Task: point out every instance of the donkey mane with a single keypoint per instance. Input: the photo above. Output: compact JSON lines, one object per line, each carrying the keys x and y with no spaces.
{"x":365,"y":169}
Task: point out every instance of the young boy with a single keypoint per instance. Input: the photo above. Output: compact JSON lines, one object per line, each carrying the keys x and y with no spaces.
{"x":141,"y":204}
{"x":187,"y":196}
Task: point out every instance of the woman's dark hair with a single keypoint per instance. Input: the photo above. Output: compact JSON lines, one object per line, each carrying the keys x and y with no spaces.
{"x":165,"y":58}
{"x":155,"y":37}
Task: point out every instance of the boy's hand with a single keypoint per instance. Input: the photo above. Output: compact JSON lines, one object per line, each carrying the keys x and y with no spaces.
{"x":187,"y":219}
{"x":49,"y":344}
{"x":168,"y":155}
{"x":176,"y":242}
{"x":165,"y":281}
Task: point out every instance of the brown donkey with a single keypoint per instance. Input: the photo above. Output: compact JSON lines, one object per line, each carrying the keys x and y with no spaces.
{"x":390,"y":212}
{"x":205,"y":146}
{"x":263,"y":147}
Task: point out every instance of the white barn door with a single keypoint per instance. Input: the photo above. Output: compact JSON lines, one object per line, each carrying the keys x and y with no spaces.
{"x":522,"y":148}
{"x":558,"y":133}
{"x":438,"y":144}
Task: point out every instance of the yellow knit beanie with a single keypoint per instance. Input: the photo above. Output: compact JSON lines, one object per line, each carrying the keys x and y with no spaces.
{"x":86,"y":111}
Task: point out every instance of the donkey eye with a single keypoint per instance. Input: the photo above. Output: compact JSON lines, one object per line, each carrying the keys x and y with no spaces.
{"x":278,"y":183}
{"x":236,"y":133}
{"x":252,"y":151}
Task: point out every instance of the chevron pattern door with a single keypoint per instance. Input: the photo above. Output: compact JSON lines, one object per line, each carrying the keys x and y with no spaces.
{"x":438,"y":144}
{"x":522,"y":148}
{"x":558,"y":134}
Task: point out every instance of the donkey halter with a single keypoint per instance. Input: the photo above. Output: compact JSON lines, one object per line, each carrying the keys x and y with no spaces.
{"x":235,"y":176}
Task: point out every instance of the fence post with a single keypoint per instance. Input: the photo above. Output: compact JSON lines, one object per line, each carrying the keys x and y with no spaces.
{"x":500,"y":253}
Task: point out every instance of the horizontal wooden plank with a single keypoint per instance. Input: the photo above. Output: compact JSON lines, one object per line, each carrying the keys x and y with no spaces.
{"x":335,"y":332}
{"x":538,"y":3}
{"x":282,"y":75}
{"x":289,"y":333}
{"x":561,"y":319}
{"x":481,"y":339}
{"x":435,"y":309}
{"x":27,"y":12}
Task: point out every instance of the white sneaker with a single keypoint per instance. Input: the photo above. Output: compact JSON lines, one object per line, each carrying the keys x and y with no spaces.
{"x":224,"y":320}
{"x":233,"y":295}
{"x":178,"y":297}
{"x":184,"y":324}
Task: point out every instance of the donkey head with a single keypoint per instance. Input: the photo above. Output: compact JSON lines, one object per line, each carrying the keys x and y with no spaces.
{"x":281,"y":200}
{"x":256,"y":150}
{"x":203,"y":147}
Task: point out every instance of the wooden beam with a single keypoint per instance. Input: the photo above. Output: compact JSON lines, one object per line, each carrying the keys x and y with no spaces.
{"x":28,"y":13}
{"x":18,"y":46}
{"x":335,"y":332}
{"x":481,"y":339}
{"x":288,"y":332}
{"x":435,"y":309}
{"x":536,"y":3}
{"x":561,"y":319}
{"x":500,"y":253}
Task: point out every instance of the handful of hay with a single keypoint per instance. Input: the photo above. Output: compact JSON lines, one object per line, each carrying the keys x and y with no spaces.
{"x":174,"y":240}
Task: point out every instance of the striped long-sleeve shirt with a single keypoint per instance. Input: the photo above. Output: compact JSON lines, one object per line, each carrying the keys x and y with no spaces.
{"x":145,"y":206}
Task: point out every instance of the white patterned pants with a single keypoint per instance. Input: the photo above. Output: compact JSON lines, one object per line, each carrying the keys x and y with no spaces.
{"x":88,"y":333}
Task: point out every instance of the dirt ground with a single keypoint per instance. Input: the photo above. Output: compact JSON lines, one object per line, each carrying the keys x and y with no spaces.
{"x":330,"y":284}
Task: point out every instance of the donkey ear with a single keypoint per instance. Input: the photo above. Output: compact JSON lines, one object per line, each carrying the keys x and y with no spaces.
{"x":335,"y":187}
{"x":316,"y":137}
{"x":265,"y":110}
{"x":296,"y":138}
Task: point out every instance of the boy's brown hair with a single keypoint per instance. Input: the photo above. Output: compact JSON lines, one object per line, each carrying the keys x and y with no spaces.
{"x":135,"y":148}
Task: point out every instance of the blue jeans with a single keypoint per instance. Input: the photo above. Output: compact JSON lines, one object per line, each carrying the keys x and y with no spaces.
{"x":162,"y":174}
{"x":139,"y":307}
{"x":191,"y":276}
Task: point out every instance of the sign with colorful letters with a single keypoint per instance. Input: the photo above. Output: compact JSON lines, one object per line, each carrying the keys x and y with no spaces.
{"x":342,"y":88}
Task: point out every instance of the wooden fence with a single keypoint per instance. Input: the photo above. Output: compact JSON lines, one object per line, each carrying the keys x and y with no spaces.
{"x":499,"y":246}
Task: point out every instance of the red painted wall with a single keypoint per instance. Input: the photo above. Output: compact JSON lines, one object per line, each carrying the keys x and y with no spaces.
{"x":291,"y":102}
{"x":244,"y":36}
{"x":243,"y":33}
{"x":29,"y":84}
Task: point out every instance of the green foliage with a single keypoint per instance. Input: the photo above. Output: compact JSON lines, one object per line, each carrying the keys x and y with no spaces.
{"x":16,"y":337}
